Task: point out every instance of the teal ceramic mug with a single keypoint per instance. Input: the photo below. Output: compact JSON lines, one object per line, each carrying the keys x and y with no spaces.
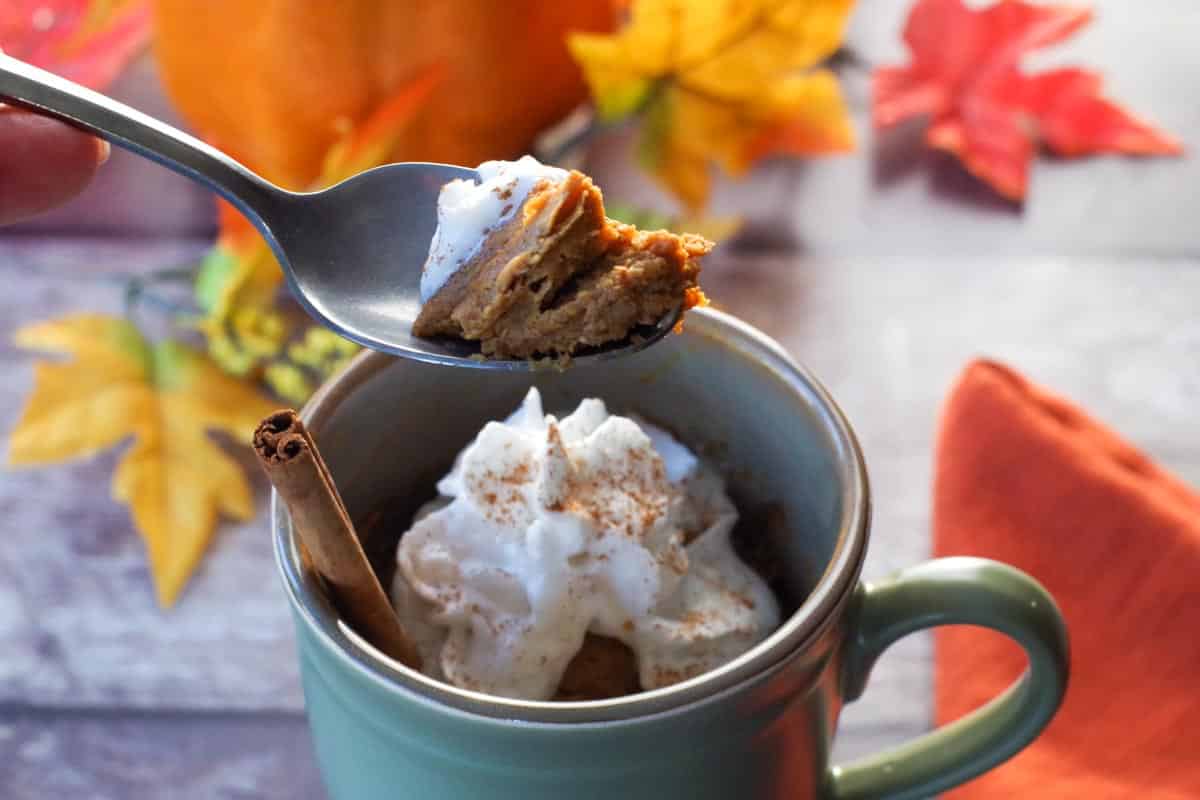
{"x":760,"y":727}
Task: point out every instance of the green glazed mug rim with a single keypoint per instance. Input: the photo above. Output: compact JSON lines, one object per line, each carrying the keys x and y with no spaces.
{"x":819,"y":608}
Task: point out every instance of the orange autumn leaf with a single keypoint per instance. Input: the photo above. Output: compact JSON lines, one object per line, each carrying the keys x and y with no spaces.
{"x":88,"y":41}
{"x":289,"y":85}
{"x":360,"y":147}
{"x":721,"y":81}
{"x":167,"y":398}
{"x":989,"y":113}
{"x":369,"y":144}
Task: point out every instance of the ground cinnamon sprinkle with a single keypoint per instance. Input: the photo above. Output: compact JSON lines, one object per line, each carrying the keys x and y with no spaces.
{"x":675,"y":560}
{"x":694,"y":619}
{"x":519,"y":474}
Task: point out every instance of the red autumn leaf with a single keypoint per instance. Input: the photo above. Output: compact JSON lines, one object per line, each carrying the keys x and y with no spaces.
{"x":88,"y":41}
{"x":965,"y":75}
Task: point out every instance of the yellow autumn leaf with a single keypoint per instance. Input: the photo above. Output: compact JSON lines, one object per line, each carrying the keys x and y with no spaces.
{"x":721,"y":81}
{"x":167,"y":398}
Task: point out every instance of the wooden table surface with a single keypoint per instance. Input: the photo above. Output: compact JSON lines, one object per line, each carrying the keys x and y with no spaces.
{"x":884,"y":271}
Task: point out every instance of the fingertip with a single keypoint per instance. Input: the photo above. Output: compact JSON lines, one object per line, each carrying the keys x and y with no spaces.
{"x":43,"y":163}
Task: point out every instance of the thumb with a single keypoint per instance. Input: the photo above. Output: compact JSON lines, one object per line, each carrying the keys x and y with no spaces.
{"x":43,"y":163}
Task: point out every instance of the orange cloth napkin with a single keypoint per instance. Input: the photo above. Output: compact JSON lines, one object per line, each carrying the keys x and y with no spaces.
{"x":1025,"y":477}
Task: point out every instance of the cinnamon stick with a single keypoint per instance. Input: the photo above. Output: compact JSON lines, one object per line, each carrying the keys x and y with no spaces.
{"x":295,"y":468}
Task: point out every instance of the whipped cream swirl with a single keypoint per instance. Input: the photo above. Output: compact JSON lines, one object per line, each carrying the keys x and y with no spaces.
{"x":469,"y":211}
{"x":551,"y":529}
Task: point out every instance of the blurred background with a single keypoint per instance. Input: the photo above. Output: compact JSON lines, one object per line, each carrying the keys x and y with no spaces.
{"x":879,"y":256}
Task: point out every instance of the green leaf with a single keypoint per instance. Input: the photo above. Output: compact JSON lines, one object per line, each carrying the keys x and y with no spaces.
{"x":643,"y":218}
{"x":624,"y":100}
{"x":216,"y":270}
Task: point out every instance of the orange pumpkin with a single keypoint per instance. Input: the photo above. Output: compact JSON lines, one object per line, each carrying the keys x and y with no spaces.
{"x":275,"y":83}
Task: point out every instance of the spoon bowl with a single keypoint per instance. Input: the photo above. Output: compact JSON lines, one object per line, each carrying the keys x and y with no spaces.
{"x":352,"y":254}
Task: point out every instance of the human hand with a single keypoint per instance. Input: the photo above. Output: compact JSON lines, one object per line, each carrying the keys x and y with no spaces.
{"x":43,"y":163}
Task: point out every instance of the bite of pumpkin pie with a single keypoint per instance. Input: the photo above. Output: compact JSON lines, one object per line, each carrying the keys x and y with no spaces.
{"x":551,"y":275}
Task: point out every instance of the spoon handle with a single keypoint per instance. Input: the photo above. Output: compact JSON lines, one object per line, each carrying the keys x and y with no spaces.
{"x":25,"y":85}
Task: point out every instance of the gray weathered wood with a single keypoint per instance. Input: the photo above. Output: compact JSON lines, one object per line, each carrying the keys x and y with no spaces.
{"x":131,"y":756}
{"x":77,"y":613}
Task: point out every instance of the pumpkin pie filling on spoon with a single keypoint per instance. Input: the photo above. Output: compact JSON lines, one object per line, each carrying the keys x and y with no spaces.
{"x":527,"y":264}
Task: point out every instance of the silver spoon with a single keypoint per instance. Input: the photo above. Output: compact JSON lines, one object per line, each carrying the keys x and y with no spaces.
{"x":352,"y":254}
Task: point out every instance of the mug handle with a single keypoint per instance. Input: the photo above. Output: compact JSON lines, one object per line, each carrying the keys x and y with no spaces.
{"x":954,"y":591}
